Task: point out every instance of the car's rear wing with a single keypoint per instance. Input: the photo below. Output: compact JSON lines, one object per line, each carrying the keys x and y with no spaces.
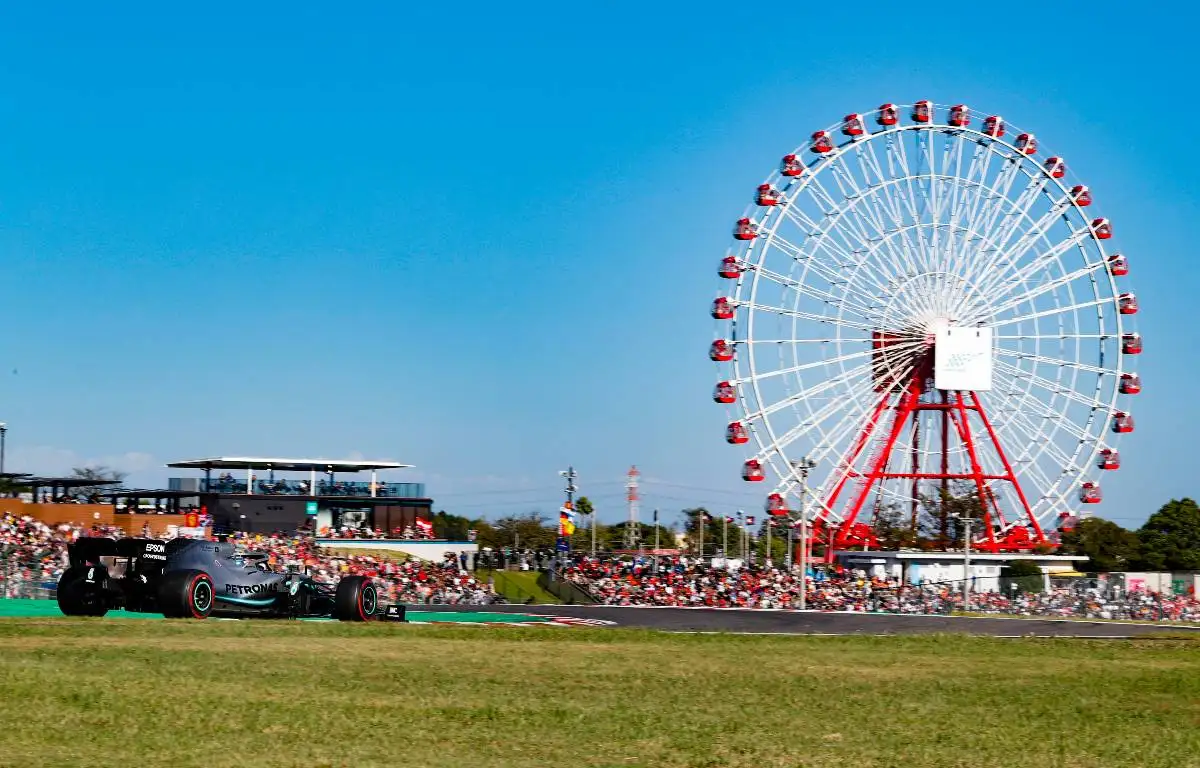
{"x":122,"y":557}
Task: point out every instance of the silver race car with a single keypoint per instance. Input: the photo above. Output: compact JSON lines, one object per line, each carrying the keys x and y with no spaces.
{"x":191,"y":578}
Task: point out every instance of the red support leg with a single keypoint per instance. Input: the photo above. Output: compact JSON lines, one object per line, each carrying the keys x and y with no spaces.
{"x":954,"y":413}
{"x":876,"y":472}
{"x":976,"y":470}
{"x":852,"y":456}
{"x":1039,"y":535}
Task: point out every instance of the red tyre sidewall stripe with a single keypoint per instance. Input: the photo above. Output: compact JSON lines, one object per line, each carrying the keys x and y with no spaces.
{"x":362,"y":613}
{"x":192,"y":596}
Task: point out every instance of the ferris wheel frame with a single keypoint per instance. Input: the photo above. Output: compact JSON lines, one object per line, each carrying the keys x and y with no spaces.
{"x":1044,"y":182}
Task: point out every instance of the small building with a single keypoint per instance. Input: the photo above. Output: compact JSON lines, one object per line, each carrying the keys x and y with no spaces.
{"x":919,"y":567}
{"x":264,"y":495}
{"x":1159,"y":582}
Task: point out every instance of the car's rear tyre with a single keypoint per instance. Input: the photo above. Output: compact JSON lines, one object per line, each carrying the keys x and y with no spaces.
{"x":77,"y":596}
{"x":356,"y":599}
{"x":186,"y":595}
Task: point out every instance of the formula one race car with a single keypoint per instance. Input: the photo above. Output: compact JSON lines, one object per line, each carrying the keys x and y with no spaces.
{"x":192,"y":578}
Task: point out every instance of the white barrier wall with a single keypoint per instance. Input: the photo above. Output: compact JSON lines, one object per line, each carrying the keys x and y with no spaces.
{"x":424,"y":549}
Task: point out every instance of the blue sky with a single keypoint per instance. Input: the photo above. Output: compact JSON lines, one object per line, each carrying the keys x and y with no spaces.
{"x":480,"y":238}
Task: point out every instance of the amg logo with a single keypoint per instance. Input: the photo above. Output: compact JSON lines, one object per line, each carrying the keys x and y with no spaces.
{"x":250,"y":589}
{"x":156,"y":547}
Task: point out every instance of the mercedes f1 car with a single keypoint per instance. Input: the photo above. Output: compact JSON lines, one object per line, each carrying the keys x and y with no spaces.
{"x":193,"y":578}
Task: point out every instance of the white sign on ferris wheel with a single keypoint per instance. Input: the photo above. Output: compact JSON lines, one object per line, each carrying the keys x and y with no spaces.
{"x":919,"y":303}
{"x":962,"y":359}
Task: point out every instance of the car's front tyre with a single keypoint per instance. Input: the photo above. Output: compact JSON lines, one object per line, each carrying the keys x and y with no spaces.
{"x":186,"y":595}
{"x":356,"y":599}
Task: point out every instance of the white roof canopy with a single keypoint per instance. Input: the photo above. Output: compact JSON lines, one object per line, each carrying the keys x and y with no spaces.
{"x":286,"y":465}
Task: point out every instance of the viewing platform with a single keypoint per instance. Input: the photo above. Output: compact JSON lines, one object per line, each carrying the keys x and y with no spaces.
{"x":266,"y":494}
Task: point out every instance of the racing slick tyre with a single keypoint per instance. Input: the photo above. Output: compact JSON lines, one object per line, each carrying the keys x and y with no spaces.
{"x":356,"y":599}
{"x":77,"y":597}
{"x":186,"y":595}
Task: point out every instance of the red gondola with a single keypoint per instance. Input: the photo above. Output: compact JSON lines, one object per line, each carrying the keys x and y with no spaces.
{"x":1122,"y":423}
{"x":959,"y":116}
{"x":1109,"y":459}
{"x":767,"y":195}
{"x":790,"y":165}
{"x":1131,"y":344}
{"x":745,"y":229}
{"x":888,"y":115}
{"x":1026,"y":144}
{"x":1081,"y":195}
{"x":752,"y":471}
{"x":720,"y":351}
{"x":822,"y":142}
{"x":922,"y":111}
{"x":994,"y":126}
{"x":722,"y":308}
{"x":852,"y":125}
{"x":724,"y":393}
{"x":730,"y":268}
{"x":736,"y":434}
{"x":777,"y":505}
{"x":1127,"y":304}
{"x":1101,"y":228}
{"x":1131,"y":384}
{"x":1089,"y":493}
{"x":1056,"y":167}
{"x":1118,"y":265}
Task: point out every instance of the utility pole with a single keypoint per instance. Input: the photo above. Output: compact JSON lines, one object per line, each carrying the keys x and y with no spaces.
{"x":593,"y":532}
{"x":700,"y":544}
{"x":656,"y":541}
{"x":803,"y":562}
{"x":562,"y":546}
{"x":770,"y":525}
{"x":725,"y":540}
{"x":634,"y":499}
{"x":787,"y":557}
{"x":966,"y":521}
{"x":800,"y":468}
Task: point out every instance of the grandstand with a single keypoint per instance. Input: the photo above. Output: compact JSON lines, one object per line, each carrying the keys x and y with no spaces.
{"x":262,"y":495}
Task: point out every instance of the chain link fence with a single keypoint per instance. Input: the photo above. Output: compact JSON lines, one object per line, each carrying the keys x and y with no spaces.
{"x":27,"y":575}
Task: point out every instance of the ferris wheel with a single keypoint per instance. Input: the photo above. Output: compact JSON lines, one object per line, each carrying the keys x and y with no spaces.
{"x":920,"y":303}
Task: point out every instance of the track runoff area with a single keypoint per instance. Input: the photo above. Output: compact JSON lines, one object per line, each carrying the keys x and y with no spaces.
{"x":715,"y":620}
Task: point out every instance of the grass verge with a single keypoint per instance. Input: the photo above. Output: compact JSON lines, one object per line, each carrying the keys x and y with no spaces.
{"x":87,"y":692}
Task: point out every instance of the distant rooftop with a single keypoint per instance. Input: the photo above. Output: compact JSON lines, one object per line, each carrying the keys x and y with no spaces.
{"x":285,"y":465}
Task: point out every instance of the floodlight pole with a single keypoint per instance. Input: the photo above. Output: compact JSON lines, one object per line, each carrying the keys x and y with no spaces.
{"x":562,"y":545}
{"x":3,"y":440}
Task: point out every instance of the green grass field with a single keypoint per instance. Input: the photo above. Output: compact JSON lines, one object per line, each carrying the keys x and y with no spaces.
{"x":170,"y":693}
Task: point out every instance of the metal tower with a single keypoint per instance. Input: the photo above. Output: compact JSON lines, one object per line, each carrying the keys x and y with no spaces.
{"x":632,"y":529}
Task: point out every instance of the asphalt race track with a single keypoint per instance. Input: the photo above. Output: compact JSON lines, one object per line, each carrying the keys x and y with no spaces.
{"x":819,"y":623}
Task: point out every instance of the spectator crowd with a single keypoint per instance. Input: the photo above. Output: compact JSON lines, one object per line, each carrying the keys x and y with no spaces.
{"x":682,"y":581}
{"x":33,"y":555}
